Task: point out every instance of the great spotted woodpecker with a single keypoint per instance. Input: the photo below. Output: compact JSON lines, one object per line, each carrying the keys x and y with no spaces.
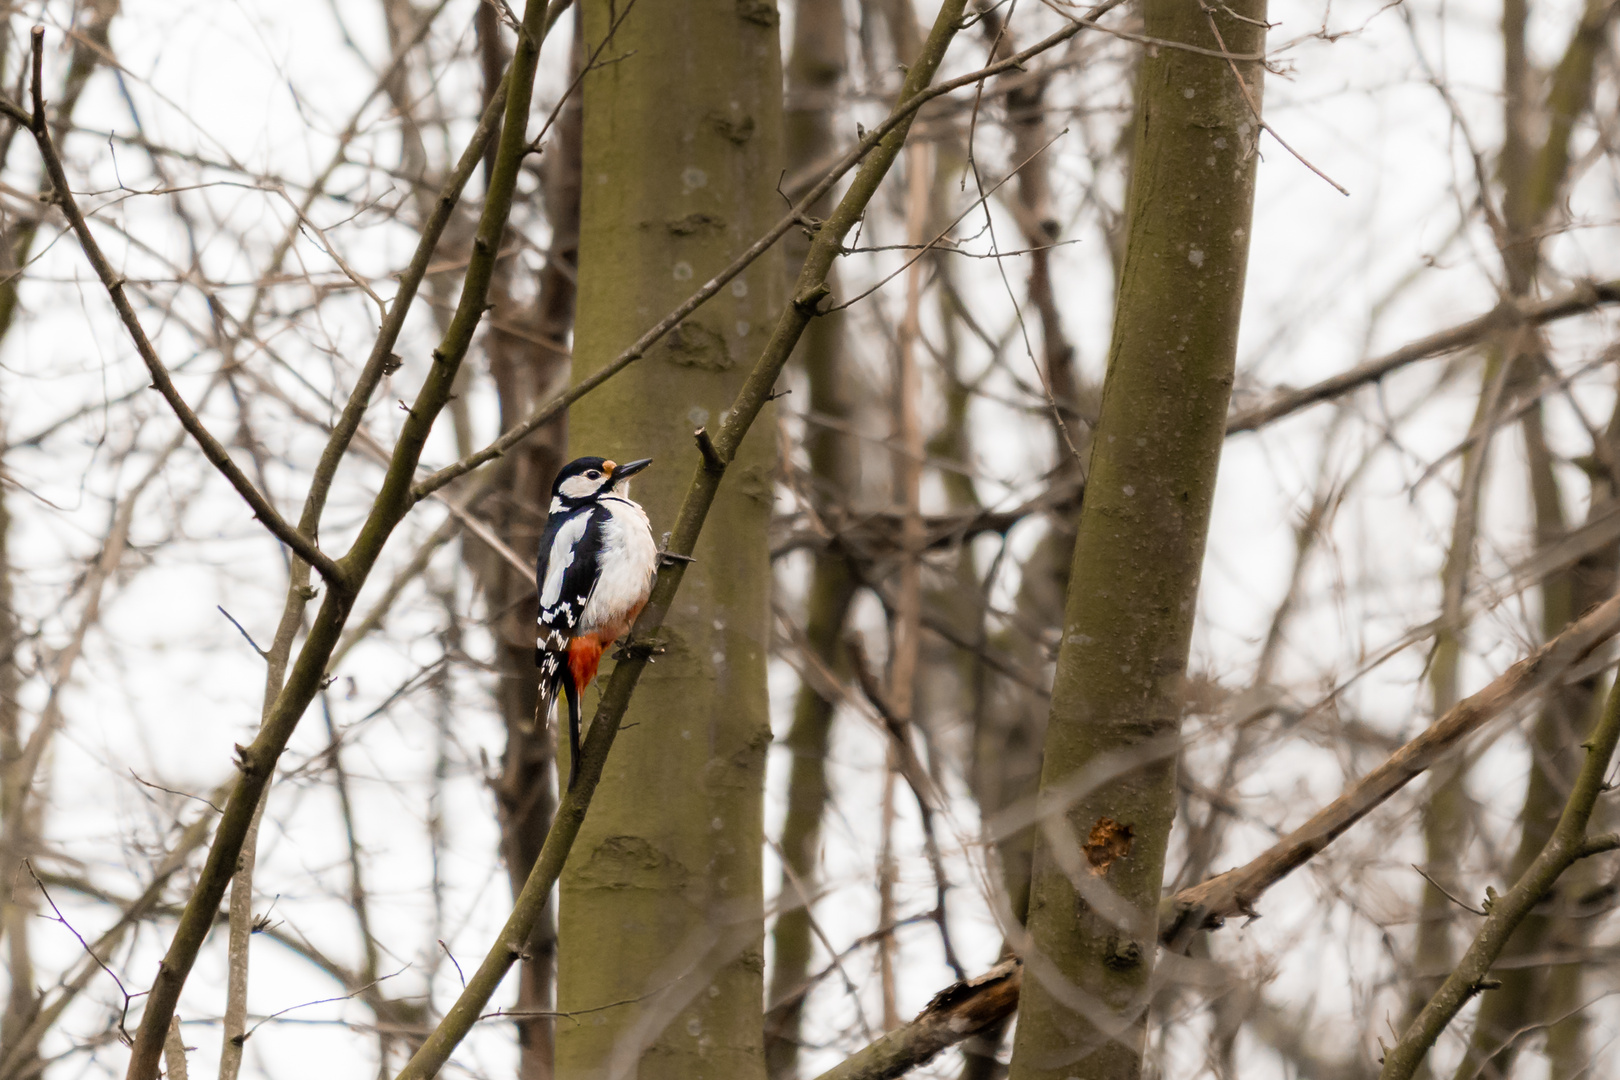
{"x":597,"y":564}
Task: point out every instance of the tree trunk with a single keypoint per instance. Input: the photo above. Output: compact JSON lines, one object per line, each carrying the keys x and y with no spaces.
{"x":20,"y":814}
{"x":661,"y":904}
{"x":1446,"y":817}
{"x":814,"y":71}
{"x":1117,"y":692}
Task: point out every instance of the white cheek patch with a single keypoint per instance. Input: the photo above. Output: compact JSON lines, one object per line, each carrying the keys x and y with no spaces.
{"x":579,"y":487}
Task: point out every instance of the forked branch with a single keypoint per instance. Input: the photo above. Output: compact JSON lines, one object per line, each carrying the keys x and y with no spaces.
{"x":62,"y":195}
{"x":898,"y":118}
{"x":1568,"y":845}
{"x":976,"y":1003}
{"x":1510,"y":313}
{"x":1207,"y":905}
{"x":257,"y":761}
{"x":809,"y":291}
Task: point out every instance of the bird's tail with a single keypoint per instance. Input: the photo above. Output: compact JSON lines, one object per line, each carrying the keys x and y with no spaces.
{"x":571,"y":692}
{"x":556,"y":679}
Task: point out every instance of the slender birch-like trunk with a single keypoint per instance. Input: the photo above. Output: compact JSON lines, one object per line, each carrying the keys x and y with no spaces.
{"x":1099,"y":856}
{"x":815,"y":68}
{"x":662,"y":902}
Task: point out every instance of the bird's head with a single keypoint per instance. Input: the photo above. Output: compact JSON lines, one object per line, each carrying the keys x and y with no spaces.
{"x":585,"y":479}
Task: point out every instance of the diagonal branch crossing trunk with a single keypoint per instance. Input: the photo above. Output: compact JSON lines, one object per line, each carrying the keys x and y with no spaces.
{"x":1116,"y":700}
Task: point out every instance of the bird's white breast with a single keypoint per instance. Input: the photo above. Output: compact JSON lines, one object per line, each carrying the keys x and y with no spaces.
{"x":627,"y":562}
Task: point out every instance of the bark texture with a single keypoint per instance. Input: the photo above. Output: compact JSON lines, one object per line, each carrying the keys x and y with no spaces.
{"x":661,"y":904}
{"x":1099,"y":857}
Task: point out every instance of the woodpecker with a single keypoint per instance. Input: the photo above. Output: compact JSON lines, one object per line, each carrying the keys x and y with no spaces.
{"x":597,"y":564}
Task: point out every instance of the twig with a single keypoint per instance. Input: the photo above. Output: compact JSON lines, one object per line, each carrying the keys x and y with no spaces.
{"x":837,"y":963}
{"x":1208,"y":904}
{"x":242,"y":630}
{"x":359,"y":899}
{"x":942,"y":248}
{"x":113,"y":282}
{"x":878,"y":934}
{"x":1447,"y":893}
{"x":1563,"y":849}
{"x":901,"y":115}
{"x":102,"y":964}
{"x":911,"y":767}
{"x":591,"y":64}
{"x":712,"y":461}
{"x":1577,"y":301}
{"x":930,"y":245}
{"x":171,"y":791}
{"x":393,"y":501}
{"x":876,"y":536}
{"x":357,"y":992}
{"x":18,"y":1052}
{"x":332,"y":252}
{"x":450,"y":956}
{"x":964,"y":1008}
{"x":756,"y":390}
{"x":382,"y":360}
{"x":917,"y":778}
{"x":1255,"y":108}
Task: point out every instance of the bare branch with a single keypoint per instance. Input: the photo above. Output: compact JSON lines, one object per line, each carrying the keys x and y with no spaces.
{"x":756,"y":391}
{"x":1208,"y":904}
{"x":257,"y":762}
{"x":1567,"y":845}
{"x":955,"y":1013}
{"x":902,"y":114}
{"x":876,"y":535}
{"x":1508,"y":314}
{"x":113,"y":282}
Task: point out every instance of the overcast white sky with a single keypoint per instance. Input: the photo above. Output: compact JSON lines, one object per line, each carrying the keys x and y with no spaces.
{"x":167,"y":685}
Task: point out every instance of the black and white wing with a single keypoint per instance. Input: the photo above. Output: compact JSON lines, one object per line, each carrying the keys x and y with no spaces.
{"x":567,"y":574}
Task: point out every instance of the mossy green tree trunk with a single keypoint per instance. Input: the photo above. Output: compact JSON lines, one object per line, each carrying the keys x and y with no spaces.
{"x":1099,"y":857}
{"x":661,"y":913}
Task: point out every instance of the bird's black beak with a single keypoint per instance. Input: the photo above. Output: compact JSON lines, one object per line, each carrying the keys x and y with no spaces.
{"x":629,"y":469}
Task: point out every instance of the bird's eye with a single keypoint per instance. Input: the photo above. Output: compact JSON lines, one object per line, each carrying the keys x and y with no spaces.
{"x":593,"y":475}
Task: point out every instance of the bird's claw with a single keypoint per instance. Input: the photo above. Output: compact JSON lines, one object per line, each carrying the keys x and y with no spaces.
{"x":634,"y":649}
